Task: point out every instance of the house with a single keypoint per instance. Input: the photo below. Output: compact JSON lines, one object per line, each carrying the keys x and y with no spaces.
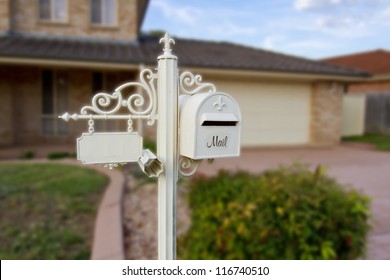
{"x":376,"y":63}
{"x":55,"y":54}
{"x":365,"y":106}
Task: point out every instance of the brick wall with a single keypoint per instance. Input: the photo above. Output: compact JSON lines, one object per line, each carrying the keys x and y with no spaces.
{"x":4,"y":16}
{"x":326,"y":113}
{"x":25,"y":20}
{"x":382,"y":86}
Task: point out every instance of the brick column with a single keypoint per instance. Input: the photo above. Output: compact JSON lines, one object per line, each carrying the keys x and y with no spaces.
{"x":326,"y":113}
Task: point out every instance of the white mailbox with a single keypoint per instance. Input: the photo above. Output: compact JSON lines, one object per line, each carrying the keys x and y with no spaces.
{"x":210,"y":126}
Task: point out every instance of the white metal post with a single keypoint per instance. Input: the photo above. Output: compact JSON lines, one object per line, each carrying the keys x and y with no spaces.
{"x":167,"y":150}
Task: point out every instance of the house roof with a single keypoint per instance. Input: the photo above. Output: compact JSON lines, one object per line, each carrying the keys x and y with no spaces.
{"x":192,"y":53}
{"x":373,"y":62}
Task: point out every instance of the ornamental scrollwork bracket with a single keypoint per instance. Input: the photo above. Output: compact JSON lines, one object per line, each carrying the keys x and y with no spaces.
{"x":188,"y":166}
{"x":105,"y":105}
{"x":191,"y":84}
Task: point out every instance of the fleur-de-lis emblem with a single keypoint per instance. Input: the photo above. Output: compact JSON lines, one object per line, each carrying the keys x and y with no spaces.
{"x":167,"y":40}
{"x":219,"y":104}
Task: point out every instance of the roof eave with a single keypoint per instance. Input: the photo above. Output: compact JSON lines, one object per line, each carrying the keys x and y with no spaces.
{"x":69,"y":63}
{"x":284,"y":75}
{"x":220,"y":72}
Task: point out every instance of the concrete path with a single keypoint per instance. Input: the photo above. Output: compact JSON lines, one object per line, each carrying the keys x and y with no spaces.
{"x":367,"y":171}
{"x":108,"y":236}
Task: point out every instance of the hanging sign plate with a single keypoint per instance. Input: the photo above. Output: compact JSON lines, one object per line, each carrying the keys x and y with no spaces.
{"x":101,"y":148}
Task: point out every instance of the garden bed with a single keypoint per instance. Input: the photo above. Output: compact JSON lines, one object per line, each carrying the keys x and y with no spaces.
{"x":140,"y":215}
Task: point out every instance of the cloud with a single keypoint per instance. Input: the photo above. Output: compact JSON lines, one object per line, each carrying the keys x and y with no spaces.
{"x":350,"y":18}
{"x":208,"y":21}
{"x":311,"y":28}
{"x":307,"y":5}
{"x":319,"y":26}
{"x":386,"y":12}
{"x":304,"y":47}
{"x":330,"y":22}
{"x":230,"y":29}
{"x":185,"y":14}
{"x":271,"y":42}
{"x":279,"y":42}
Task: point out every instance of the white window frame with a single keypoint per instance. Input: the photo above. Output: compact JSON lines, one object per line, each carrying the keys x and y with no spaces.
{"x":103,"y":22}
{"x":53,"y":4}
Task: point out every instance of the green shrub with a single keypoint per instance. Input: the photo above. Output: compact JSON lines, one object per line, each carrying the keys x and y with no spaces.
{"x":286,"y":213}
{"x":60,"y":155}
{"x":150,"y":144}
{"x":27,"y":155}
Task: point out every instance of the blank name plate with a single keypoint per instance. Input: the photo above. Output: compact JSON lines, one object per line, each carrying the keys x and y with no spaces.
{"x":115,"y":147}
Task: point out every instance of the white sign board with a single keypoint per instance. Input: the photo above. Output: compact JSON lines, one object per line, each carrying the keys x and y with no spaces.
{"x":115,"y":147}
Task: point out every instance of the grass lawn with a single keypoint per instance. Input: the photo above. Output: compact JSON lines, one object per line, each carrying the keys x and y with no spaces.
{"x":381,"y":142}
{"x":47,"y":211}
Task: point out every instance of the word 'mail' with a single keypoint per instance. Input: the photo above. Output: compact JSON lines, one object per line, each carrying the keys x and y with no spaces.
{"x":216,"y":142}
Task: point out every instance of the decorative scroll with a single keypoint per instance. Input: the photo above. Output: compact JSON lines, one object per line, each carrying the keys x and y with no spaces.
{"x":191,"y":84}
{"x":188,"y":166}
{"x":107,"y":105}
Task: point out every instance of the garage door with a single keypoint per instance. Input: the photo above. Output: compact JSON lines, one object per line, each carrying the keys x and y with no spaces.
{"x":272,"y":113}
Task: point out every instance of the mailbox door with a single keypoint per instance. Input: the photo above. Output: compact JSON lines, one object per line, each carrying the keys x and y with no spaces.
{"x":218,"y":125}
{"x":210,"y":126}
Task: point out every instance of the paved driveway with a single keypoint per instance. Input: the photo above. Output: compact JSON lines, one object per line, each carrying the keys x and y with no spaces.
{"x":367,"y":171}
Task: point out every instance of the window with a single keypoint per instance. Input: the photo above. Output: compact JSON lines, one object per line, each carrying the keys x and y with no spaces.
{"x":103,"y":12}
{"x":53,"y":10}
{"x":54,"y":85}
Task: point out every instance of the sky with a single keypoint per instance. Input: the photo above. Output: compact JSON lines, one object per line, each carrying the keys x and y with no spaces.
{"x":308,"y":28}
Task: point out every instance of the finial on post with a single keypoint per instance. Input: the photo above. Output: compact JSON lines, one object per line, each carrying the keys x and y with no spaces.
{"x":167,"y":40}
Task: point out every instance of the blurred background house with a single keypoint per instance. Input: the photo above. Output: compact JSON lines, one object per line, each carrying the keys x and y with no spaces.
{"x":376,"y":63}
{"x":367,"y":104}
{"x":56,"y":54}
